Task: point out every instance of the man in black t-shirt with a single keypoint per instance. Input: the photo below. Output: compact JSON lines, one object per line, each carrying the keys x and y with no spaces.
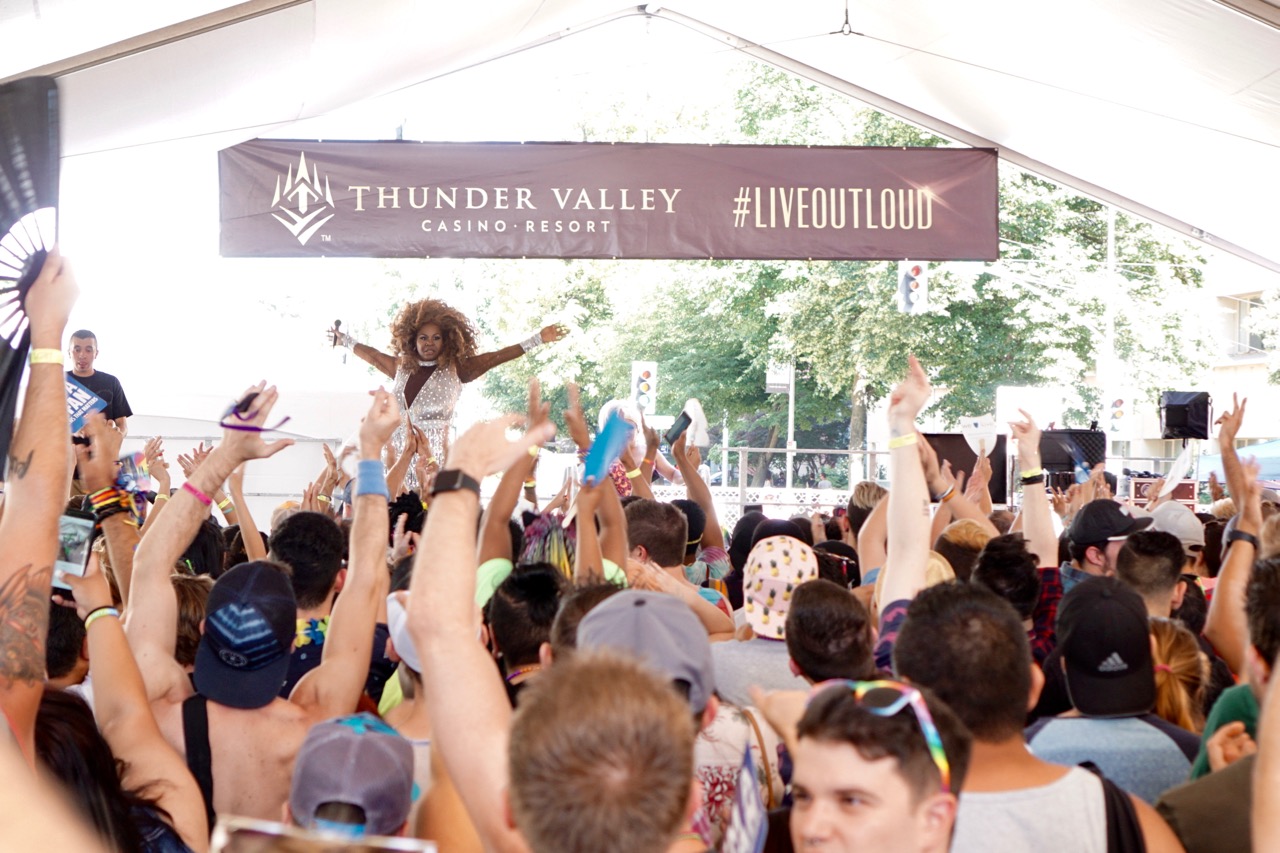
{"x":84,"y":351}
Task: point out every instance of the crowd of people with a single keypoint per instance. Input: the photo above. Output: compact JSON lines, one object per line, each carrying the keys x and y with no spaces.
{"x":387,"y":657}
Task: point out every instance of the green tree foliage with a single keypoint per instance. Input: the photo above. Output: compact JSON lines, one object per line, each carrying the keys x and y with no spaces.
{"x":1040,"y":315}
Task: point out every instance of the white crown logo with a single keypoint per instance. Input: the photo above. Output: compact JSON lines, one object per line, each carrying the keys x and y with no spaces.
{"x":1113,"y":663}
{"x":303,"y":190}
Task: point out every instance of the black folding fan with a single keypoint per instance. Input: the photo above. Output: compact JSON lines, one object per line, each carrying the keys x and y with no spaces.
{"x":29,"y":165}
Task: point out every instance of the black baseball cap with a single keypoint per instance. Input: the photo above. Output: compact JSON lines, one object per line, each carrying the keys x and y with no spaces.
{"x":1104,"y":637}
{"x":249,"y":628}
{"x":1103,"y":520}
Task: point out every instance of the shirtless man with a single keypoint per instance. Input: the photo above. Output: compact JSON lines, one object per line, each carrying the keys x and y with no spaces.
{"x":252,"y":735}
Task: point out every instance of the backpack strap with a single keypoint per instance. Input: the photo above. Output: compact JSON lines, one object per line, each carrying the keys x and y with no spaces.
{"x":195,"y":737}
{"x":1124,"y":831}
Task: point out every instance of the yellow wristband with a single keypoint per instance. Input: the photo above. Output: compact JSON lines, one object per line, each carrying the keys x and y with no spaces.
{"x":531,"y":484}
{"x":224,"y":503}
{"x":324,"y":499}
{"x":45,"y":356}
{"x":533,"y":451}
{"x":633,"y":473}
{"x":160,"y":497}
{"x":1034,"y":472}
{"x":902,"y":441}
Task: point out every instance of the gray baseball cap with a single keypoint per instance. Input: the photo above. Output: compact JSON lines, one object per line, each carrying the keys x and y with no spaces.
{"x":659,"y":629}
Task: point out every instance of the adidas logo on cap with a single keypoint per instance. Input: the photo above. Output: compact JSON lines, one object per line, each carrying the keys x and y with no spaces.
{"x":1113,"y":663}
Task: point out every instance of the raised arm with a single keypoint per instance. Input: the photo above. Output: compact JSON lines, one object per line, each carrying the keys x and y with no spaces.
{"x":873,"y":538}
{"x":37,"y":482}
{"x":471,"y":369}
{"x":158,"y":468}
{"x":124,"y":715}
{"x":465,"y":699}
{"x":153,"y":608}
{"x":698,"y":492}
{"x":249,"y":534}
{"x":946,"y":490}
{"x":97,"y":469}
{"x":334,"y":687}
{"x":495,"y":535}
{"x":1226,"y":626}
{"x":383,"y":362}
{"x":908,"y":512}
{"x":1037,"y":515}
{"x":1266,"y":773}
{"x":588,"y":565}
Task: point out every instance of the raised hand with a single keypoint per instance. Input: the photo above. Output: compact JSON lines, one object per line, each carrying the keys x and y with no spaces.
{"x":379,"y":423}
{"x":484,"y":449}
{"x":246,"y":442}
{"x":340,"y":339}
{"x":554,"y":332}
{"x":538,"y":410}
{"x":49,"y":301}
{"x":910,"y":395}
{"x":1216,"y":492}
{"x":1027,"y":435}
{"x":575,"y":422}
{"x":1230,"y":421}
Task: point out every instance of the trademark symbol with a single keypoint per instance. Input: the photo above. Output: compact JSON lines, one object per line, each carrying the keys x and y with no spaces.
{"x":325,"y":238}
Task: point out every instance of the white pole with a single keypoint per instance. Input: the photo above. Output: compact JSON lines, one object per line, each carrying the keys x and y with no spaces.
{"x":791,"y":421}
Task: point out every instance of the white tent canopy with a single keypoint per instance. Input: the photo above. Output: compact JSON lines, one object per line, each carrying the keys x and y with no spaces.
{"x":1168,"y":108}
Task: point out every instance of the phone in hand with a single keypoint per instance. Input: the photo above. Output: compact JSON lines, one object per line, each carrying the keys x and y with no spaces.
{"x":75,"y":535}
{"x":677,"y":429}
{"x":608,"y":446}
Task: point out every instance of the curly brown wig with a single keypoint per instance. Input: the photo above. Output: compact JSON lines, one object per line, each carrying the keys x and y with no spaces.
{"x":456,"y":330}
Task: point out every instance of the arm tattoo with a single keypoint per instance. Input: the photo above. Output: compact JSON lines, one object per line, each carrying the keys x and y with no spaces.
{"x":18,"y":467}
{"x":24,"y":623}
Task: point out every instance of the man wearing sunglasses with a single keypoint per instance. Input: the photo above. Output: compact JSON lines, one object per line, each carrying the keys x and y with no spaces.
{"x":878,"y":765}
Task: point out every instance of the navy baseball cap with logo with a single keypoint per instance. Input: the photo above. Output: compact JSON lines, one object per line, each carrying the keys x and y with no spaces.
{"x":249,"y":627}
{"x":1105,"y":641}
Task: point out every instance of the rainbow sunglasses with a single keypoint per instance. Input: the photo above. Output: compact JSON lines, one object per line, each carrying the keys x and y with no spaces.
{"x":885,"y":698}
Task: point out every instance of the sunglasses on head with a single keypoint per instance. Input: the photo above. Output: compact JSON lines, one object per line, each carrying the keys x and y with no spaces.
{"x":885,"y":698}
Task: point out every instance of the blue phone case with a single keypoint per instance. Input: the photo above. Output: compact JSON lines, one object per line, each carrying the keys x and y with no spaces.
{"x":606,"y":449}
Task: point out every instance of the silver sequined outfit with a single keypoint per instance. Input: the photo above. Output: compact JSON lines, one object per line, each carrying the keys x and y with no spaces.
{"x":431,"y":412}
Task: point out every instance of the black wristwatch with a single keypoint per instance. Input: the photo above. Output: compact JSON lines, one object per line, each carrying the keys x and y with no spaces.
{"x":453,"y":480}
{"x":1242,"y":536}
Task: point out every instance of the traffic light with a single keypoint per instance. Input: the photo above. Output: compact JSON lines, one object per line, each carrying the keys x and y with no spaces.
{"x":913,"y":287}
{"x":644,"y":385}
{"x":1118,"y":409}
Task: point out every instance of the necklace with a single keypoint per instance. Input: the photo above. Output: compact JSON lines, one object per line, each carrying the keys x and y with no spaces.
{"x":522,"y":670}
{"x":427,"y":363}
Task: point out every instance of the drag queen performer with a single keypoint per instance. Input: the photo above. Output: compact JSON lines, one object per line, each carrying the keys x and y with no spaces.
{"x":435,"y":353}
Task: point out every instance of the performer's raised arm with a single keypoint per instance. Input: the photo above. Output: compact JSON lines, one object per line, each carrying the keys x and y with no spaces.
{"x":473,"y":368}
{"x":381,"y":360}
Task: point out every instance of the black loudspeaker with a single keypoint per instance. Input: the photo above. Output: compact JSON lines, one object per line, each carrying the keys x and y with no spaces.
{"x":1062,"y":449}
{"x":954,"y":448}
{"x":1185,"y":414}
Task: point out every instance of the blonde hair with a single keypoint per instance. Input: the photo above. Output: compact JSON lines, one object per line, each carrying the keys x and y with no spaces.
{"x":936,"y":570}
{"x":1182,"y":671}
{"x":867,"y":494}
{"x":1223,"y":509}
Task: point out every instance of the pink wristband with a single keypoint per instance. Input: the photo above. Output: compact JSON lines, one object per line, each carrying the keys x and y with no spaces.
{"x":199,"y":495}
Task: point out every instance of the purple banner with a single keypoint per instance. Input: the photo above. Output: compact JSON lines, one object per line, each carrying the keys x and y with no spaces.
{"x":282,"y":198}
